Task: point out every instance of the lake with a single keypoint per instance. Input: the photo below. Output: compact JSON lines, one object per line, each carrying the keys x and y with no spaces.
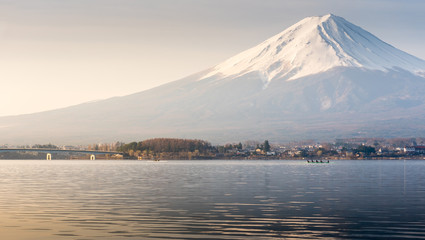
{"x":83,"y":200}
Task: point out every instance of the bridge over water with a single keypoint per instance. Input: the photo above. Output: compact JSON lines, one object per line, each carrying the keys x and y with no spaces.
{"x":49,"y":152}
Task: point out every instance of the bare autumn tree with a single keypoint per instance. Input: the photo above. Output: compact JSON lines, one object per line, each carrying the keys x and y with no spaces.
{"x":168,"y":145}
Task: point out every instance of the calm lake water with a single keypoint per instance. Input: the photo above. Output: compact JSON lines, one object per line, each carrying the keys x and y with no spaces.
{"x":85,"y":200}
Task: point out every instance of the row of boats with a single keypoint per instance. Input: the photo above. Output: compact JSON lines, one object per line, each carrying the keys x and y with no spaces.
{"x":317,"y":161}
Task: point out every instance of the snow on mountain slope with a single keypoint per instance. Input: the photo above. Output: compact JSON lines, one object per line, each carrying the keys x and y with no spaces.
{"x":314,"y":45}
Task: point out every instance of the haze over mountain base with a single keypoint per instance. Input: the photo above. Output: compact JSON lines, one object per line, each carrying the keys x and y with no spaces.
{"x":349,"y":84}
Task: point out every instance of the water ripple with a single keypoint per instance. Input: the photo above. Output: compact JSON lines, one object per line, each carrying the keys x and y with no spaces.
{"x":91,"y":200}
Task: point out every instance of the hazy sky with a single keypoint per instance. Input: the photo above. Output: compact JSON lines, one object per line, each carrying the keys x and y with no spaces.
{"x":56,"y":53}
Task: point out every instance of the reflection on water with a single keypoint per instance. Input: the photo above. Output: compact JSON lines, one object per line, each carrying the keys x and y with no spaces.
{"x":212,"y":200}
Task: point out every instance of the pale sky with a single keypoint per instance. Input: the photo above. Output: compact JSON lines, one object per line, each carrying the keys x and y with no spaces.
{"x":57,"y":53}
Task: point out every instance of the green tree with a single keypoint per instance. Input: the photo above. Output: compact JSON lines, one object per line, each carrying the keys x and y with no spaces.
{"x":239,"y":146}
{"x":367,"y":150}
{"x":266,"y":146}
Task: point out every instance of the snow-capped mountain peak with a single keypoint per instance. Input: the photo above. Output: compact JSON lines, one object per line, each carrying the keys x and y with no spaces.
{"x":314,"y":45}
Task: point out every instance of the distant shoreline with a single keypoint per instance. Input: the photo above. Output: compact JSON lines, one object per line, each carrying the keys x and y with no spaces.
{"x":219,"y":159}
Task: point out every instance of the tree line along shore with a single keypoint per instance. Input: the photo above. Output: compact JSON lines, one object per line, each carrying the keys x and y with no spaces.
{"x":191,"y":149}
{"x":166,"y":148}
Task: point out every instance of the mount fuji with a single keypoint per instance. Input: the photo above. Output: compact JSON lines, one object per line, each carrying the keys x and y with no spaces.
{"x":322,"y":78}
